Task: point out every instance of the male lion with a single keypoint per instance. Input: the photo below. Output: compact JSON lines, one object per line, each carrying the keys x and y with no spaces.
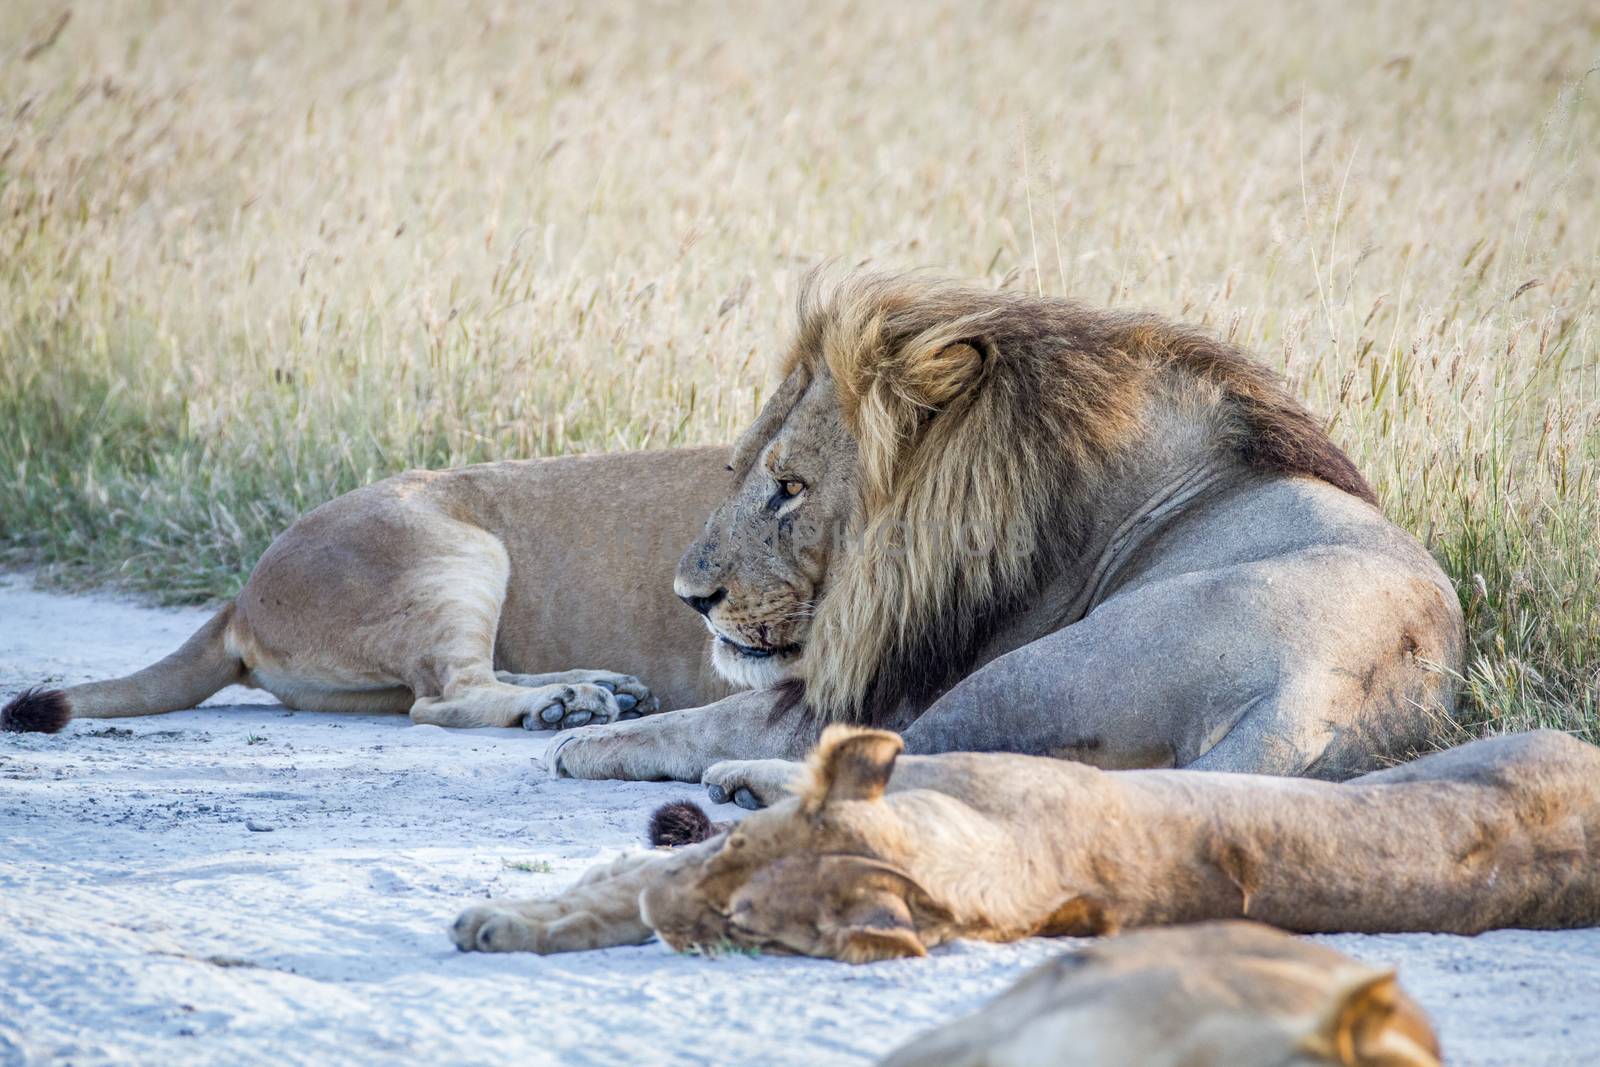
{"x":1227,"y":994}
{"x":994,"y":521}
{"x":876,"y":857}
{"x":459,"y":596}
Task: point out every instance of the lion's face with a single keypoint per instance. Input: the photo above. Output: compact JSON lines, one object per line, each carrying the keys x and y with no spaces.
{"x":757,"y":570}
{"x":825,"y":905}
{"x":821,"y":874}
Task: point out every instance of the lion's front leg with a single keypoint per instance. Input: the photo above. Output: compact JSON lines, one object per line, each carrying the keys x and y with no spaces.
{"x":681,"y":745}
{"x":600,"y":911}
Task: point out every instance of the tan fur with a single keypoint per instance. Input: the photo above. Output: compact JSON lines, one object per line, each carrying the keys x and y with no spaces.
{"x":201,"y":666}
{"x":1500,"y":832}
{"x":1225,"y":994}
{"x":464,"y":597}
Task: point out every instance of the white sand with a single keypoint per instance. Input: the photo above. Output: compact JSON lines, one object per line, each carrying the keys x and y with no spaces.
{"x":142,"y":921}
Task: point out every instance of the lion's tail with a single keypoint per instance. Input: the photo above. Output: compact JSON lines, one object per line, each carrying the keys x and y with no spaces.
{"x":201,"y":667}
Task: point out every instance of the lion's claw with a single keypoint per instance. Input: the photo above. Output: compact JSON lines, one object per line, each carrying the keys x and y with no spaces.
{"x":552,"y":755}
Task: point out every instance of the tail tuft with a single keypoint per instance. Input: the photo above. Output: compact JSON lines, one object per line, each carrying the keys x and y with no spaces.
{"x":39,"y":711}
{"x":681,"y":822}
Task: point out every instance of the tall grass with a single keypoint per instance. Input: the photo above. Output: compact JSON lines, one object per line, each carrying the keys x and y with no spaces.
{"x":254,"y":255}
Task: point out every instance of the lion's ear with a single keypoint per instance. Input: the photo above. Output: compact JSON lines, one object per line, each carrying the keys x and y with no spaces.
{"x":938,"y":375}
{"x":850,"y":763}
{"x":872,"y":910}
{"x":1078,"y":916}
{"x":1368,"y":1019}
{"x":870,"y":944}
{"x":878,"y":924}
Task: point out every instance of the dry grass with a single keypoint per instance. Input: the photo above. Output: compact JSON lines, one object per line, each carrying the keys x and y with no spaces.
{"x":256,"y":254}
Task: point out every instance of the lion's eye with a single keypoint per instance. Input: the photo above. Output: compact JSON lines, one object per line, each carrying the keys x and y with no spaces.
{"x":791,"y":487}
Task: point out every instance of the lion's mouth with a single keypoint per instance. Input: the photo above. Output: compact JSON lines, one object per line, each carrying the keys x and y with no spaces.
{"x":757,"y":652}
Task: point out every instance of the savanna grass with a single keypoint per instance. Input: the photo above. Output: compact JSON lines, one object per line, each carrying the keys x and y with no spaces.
{"x":255,"y":255}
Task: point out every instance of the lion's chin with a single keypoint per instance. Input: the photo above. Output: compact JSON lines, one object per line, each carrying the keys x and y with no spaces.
{"x":753,"y":672}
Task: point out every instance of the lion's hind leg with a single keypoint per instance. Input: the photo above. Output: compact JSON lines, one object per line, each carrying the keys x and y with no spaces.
{"x":633,"y":696}
{"x":450,"y":626}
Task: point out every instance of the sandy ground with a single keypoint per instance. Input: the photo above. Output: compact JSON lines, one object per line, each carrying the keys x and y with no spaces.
{"x":244,"y":885}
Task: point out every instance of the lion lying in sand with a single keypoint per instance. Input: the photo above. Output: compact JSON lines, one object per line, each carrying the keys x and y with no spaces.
{"x":1227,"y":994}
{"x":877,"y":856}
{"x":999,"y":522}
{"x":463,"y":597}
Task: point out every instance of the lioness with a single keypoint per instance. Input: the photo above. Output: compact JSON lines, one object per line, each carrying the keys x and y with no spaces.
{"x":460,"y":596}
{"x":1228,"y":994}
{"x":995,"y":521}
{"x":876,"y":857}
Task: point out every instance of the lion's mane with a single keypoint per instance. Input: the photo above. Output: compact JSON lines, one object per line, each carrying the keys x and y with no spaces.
{"x":992,"y":412}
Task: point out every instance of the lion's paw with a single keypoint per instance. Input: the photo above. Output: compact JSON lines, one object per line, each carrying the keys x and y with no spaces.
{"x":751,"y":784}
{"x":482,"y":928}
{"x":644,"y":750}
{"x":633,"y":696}
{"x":562,"y":707}
{"x":630,"y":698}
{"x":586,"y":753}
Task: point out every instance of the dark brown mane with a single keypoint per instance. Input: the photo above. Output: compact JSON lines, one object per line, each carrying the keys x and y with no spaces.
{"x":1274,"y":431}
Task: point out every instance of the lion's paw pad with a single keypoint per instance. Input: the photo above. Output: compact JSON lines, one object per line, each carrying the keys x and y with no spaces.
{"x":464,"y":932}
{"x":633,"y":698}
{"x":563,"y":707}
{"x":751,"y":784}
{"x":742,"y":796}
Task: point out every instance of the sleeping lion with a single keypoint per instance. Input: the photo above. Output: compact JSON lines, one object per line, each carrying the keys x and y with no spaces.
{"x":988,"y":520}
{"x":464,"y":597}
{"x":870,"y":855}
{"x":1225,"y":994}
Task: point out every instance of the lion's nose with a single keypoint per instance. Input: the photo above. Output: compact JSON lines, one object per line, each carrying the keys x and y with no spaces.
{"x":704,"y":604}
